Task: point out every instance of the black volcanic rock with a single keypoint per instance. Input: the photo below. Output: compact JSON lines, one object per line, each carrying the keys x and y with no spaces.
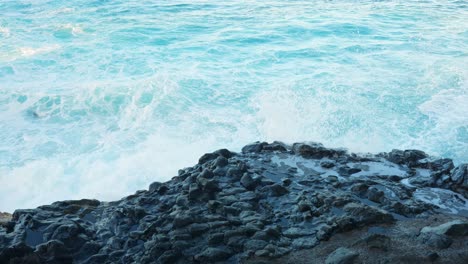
{"x":268,"y":203}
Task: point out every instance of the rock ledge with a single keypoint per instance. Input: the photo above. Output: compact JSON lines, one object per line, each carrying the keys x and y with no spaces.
{"x":273,"y":203}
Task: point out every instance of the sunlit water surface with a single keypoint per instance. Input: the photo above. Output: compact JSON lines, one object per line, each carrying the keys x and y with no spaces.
{"x":100,"y":98}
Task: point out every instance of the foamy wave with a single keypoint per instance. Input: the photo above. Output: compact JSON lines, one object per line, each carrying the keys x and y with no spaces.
{"x":448,"y":107}
{"x":5,"y":31}
{"x":75,"y":29}
{"x":90,"y":176}
{"x":28,"y":51}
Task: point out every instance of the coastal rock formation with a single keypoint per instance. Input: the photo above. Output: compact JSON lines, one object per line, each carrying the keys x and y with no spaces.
{"x":272,"y":203}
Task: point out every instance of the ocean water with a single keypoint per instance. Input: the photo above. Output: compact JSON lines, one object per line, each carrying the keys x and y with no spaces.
{"x":100,"y":98}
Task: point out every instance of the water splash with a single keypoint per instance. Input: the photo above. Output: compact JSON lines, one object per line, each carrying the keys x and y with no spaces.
{"x":96,"y":94}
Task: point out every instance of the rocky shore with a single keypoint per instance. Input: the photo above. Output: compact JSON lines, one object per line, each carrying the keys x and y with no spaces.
{"x":272,"y":203}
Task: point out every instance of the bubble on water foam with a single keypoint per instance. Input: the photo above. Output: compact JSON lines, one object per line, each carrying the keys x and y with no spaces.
{"x":294,"y":116}
{"x":30,"y":51}
{"x":96,"y":175}
{"x":448,"y":111}
{"x":448,"y":107}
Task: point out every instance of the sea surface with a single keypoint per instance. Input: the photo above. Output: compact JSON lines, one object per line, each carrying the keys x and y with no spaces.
{"x":100,"y":98}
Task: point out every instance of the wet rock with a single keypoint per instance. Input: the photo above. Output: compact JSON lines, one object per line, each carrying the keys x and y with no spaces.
{"x":182,"y":220}
{"x":432,"y":256}
{"x":286,"y":182}
{"x":221,"y":162}
{"x":408,"y":157}
{"x":295,"y":232}
{"x":255,"y":244}
{"x":342,"y":256}
{"x":359,"y":188}
{"x":248,"y":182}
{"x":182,"y":201}
{"x":364,"y":214}
{"x":275,"y":146}
{"x":440,"y":165}
{"x":278,"y":190}
{"x":194,"y":191}
{"x":225,"y":153}
{"x":154,"y":186}
{"x":198,"y":229}
{"x":347,"y":171}
{"x":375,"y":194}
{"x":206,"y":173}
{"x":435,"y":240}
{"x":208,"y":185}
{"x":452,"y":228}
{"x":213,"y":255}
{"x":207,"y":157}
{"x":254,"y":148}
{"x":304,"y":242}
{"x":327,"y":164}
{"x":262,"y":253}
{"x":264,"y":202}
{"x":315,"y":150}
{"x":169,"y":257}
{"x":304,"y":206}
{"x":460,"y":176}
{"x":215,"y":239}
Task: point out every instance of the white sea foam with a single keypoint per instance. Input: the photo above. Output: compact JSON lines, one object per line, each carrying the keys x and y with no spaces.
{"x":158,"y":160}
{"x":147,"y":86}
{"x":75,"y":29}
{"x":29,"y":51}
{"x":4,"y":31}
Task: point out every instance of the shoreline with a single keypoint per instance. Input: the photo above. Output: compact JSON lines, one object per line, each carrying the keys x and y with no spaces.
{"x":272,"y":203}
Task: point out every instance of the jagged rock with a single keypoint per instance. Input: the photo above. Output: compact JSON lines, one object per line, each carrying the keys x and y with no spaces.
{"x":221,"y":162}
{"x":207,"y":157}
{"x":278,"y":190}
{"x":206,"y":173}
{"x":262,"y":203}
{"x":364,"y":214}
{"x":341,"y":256}
{"x":304,"y":242}
{"x":375,"y":194}
{"x":409,"y":157}
{"x":315,"y":150}
{"x":255,"y":244}
{"x":248,"y":182}
{"x":255,"y":147}
{"x":182,"y":220}
{"x":434,"y":240}
{"x":460,"y":176}
{"x":215,"y":239}
{"x":275,"y":146}
{"x":210,"y":255}
{"x":169,"y":256}
{"x":295,"y":232}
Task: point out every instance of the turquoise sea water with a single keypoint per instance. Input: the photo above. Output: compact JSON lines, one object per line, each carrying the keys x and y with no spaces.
{"x":100,"y":98}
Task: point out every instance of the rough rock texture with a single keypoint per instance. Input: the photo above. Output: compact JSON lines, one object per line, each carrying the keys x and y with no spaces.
{"x":4,"y":218}
{"x":272,"y":203}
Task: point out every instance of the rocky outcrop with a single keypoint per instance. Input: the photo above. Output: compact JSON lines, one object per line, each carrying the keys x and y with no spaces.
{"x":265,"y":204}
{"x":4,"y":218}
